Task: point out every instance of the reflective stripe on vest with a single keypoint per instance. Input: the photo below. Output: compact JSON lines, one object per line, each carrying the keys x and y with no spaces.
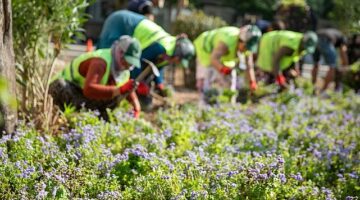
{"x":71,"y":72}
{"x":148,"y":32}
{"x":272,"y":42}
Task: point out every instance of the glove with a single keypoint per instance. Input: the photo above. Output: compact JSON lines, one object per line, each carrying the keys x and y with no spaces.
{"x":127,"y":87}
{"x":160,"y":89}
{"x":280,"y":80}
{"x":143,"y":89}
{"x":136,"y":114}
{"x":225,"y":70}
{"x":160,"y":86}
{"x":253,"y":85}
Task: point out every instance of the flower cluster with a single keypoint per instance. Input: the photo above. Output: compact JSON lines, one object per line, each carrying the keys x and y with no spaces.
{"x":291,"y":146}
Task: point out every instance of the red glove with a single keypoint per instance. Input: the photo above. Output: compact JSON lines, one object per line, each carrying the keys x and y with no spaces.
{"x":280,"y":80}
{"x":136,"y":114}
{"x":143,"y":89}
{"x":253,"y":85}
{"x":225,"y":70}
{"x":160,"y":86}
{"x":127,"y":87}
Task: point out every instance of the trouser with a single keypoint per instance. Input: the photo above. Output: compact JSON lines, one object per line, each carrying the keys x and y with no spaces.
{"x":66,"y":93}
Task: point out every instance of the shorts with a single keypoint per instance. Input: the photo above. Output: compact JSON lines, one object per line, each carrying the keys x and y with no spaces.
{"x":326,"y":49}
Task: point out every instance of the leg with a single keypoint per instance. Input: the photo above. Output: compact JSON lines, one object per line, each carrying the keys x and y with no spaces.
{"x":201,"y":72}
{"x":314,"y":73}
{"x":329,"y":78}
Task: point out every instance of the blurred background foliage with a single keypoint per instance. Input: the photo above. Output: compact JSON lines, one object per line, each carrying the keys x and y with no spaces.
{"x":342,"y":13}
{"x":196,"y":23}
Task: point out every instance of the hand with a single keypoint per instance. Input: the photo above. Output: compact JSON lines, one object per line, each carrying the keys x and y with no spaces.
{"x":225,"y":70}
{"x":281,"y":80}
{"x":143,"y":89}
{"x":136,"y":114}
{"x":160,"y":89}
{"x":253,"y":85}
{"x":127,"y":87}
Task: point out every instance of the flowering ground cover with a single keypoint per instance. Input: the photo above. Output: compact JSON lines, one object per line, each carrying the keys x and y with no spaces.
{"x":292,"y":146}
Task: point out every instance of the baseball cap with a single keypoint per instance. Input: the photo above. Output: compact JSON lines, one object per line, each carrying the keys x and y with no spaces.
{"x":310,"y":40}
{"x":131,"y":49}
{"x":185,"y":50}
{"x":250,"y":34}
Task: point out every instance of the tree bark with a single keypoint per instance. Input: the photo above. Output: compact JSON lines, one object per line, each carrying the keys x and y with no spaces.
{"x":7,"y":65}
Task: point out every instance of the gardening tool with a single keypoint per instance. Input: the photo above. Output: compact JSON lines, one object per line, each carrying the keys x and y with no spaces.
{"x":151,"y":68}
{"x":156,"y":72}
{"x":164,"y":100}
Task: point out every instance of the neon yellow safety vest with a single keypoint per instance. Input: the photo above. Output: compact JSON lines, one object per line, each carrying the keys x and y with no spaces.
{"x":71,"y":72}
{"x":209,"y":40}
{"x":272,"y":42}
{"x":148,"y":32}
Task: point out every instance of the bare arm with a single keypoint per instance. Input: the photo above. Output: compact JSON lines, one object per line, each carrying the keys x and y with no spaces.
{"x":216,"y":55}
{"x":250,"y":68}
{"x":283,"y":51}
{"x":343,"y":55}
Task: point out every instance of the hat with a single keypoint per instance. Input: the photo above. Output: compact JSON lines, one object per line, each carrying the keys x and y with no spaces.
{"x":185,"y":50}
{"x":251,"y":35}
{"x":310,"y":40}
{"x":131,"y":49}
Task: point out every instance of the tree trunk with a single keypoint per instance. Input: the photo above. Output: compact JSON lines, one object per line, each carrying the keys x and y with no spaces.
{"x":7,"y":65}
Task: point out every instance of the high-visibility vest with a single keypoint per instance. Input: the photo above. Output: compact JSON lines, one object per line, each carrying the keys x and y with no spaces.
{"x":272,"y":42}
{"x":148,"y":32}
{"x":71,"y":72}
{"x":209,"y":40}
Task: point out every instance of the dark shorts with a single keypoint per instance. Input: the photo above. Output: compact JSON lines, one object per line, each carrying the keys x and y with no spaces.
{"x":66,"y":93}
{"x":326,"y":49}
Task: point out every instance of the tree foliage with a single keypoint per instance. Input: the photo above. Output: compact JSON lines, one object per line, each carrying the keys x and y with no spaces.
{"x":346,"y":14}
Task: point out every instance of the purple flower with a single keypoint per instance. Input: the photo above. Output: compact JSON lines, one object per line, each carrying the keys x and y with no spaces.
{"x":109,"y":195}
{"x":262,"y":177}
{"x":232,"y":173}
{"x":165,"y":177}
{"x":55,"y":189}
{"x":350,"y":198}
{"x":326,"y":191}
{"x":353,"y":175}
{"x":297,"y":177}
{"x":282,"y":178}
{"x":167,"y":133}
{"x":41,"y":191}
{"x":259,"y":165}
{"x":27,"y":172}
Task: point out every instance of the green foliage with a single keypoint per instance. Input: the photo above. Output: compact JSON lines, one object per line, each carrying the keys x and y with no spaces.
{"x":5,"y":98}
{"x":346,"y":14}
{"x":264,"y":8}
{"x":196,"y":23}
{"x":351,"y":78}
{"x":41,"y":28}
{"x":291,"y":146}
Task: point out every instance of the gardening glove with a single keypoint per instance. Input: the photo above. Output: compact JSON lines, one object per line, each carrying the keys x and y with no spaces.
{"x":136,"y":114}
{"x":143,"y":89}
{"x":225,"y":70}
{"x":127,"y":87}
{"x":161,"y":90}
{"x":281,"y":80}
{"x":253,"y":85}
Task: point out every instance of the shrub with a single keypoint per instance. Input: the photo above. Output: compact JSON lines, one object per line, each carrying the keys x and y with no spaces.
{"x":41,"y":28}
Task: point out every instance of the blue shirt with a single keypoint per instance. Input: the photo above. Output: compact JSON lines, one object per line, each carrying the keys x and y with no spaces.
{"x":151,"y":53}
{"x":119,"y":23}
